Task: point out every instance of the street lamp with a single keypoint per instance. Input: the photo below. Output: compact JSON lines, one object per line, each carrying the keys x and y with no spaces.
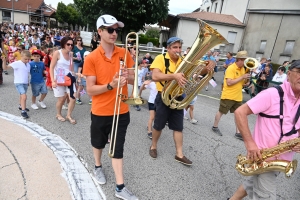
{"x":12,"y":7}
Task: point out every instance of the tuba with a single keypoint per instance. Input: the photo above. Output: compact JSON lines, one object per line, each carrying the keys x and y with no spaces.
{"x":248,"y":168}
{"x":191,"y":67}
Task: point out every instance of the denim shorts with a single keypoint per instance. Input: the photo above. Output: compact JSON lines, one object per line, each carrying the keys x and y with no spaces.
{"x":38,"y":88}
{"x":82,"y":82}
{"x":21,"y":87}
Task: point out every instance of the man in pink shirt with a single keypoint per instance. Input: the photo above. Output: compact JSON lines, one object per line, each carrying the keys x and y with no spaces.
{"x":267,"y":131}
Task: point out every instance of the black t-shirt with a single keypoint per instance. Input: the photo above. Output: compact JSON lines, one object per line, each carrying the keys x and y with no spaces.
{"x":94,"y":44}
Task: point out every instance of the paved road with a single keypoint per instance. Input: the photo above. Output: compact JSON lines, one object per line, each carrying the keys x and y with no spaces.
{"x":212,"y":175}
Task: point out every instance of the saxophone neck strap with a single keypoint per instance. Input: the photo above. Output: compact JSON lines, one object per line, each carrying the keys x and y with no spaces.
{"x":280,"y":116}
{"x":167,"y":65}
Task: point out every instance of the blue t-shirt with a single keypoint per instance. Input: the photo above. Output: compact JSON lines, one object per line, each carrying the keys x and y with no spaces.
{"x":57,"y":43}
{"x":36,"y":72}
{"x":228,"y":61}
{"x":209,"y":58}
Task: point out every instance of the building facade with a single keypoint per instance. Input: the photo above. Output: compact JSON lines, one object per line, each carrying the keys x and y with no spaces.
{"x":273,"y":30}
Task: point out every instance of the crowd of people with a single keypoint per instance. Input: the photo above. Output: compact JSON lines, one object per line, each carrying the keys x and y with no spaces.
{"x":56,"y":60}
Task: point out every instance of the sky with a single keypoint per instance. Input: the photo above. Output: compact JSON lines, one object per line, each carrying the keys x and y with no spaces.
{"x":175,"y":6}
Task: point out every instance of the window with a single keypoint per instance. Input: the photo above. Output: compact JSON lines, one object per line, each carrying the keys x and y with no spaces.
{"x":289,"y":46}
{"x":6,"y":14}
{"x":231,"y":37}
{"x":207,"y":9}
{"x":263,"y":44}
{"x":216,"y":5}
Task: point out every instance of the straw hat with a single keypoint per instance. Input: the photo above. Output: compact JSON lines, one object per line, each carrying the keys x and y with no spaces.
{"x":242,"y":54}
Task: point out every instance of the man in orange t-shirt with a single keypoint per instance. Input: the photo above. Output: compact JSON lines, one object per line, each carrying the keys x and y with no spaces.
{"x":101,"y":68}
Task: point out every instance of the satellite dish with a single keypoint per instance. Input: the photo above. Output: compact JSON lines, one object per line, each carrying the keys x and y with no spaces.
{"x":149,"y":46}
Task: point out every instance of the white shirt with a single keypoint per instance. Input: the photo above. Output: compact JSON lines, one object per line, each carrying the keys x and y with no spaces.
{"x":279,"y":78}
{"x":21,"y":71}
{"x":153,"y":91}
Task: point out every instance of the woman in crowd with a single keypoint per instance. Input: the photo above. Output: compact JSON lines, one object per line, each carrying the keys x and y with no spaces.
{"x":62,"y":62}
{"x":94,"y":42}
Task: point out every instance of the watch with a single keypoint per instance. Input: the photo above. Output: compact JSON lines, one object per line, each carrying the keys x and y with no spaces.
{"x":109,"y":87}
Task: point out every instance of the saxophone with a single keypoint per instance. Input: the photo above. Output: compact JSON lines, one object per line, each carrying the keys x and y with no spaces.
{"x":248,"y":168}
{"x":191,"y":67}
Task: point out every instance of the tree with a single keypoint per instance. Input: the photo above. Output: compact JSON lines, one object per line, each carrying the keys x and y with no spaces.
{"x":134,"y":13}
{"x":74,"y":17}
{"x":62,"y":14}
{"x":152,"y":33}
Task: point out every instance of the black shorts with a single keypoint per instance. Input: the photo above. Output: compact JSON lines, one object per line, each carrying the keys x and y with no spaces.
{"x":101,"y":128}
{"x":151,"y":106}
{"x":165,"y":114}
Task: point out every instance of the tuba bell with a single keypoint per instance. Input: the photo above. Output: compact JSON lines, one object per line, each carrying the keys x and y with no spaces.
{"x":191,"y":67}
{"x":250,"y":64}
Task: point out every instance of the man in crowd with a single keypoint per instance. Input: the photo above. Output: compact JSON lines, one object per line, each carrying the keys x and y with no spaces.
{"x":232,"y":95}
{"x":163,"y":72}
{"x":269,"y":132}
{"x":101,"y":68}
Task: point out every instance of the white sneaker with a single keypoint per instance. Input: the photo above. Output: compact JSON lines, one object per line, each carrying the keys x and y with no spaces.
{"x":193,"y":121}
{"x":243,"y":91}
{"x":65,"y":107}
{"x":185,"y":118}
{"x":206,"y":88}
{"x":41,"y":103}
{"x":34,"y":106}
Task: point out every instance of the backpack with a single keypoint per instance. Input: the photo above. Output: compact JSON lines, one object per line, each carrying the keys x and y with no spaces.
{"x":280,"y":116}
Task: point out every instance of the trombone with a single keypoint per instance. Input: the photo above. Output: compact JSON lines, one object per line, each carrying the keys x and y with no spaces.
{"x":134,"y":99}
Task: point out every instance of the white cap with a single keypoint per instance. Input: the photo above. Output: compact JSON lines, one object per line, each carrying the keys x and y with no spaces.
{"x":108,"y":20}
{"x":86,"y":53}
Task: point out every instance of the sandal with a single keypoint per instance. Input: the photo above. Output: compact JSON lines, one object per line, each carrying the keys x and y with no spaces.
{"x":72,"y":121}
{"x":60,"y":118}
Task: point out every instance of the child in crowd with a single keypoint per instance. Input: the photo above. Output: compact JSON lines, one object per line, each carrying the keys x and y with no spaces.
{"x":81,"y":79}
{"x":149,"y":84}
{"x":11,"y":50}
{"x":47,"y":60}
{"x":17,"y":53}
{"x":21,"y":72}
{"x":37,"y":71}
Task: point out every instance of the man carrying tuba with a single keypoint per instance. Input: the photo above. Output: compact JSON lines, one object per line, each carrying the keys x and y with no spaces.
{"x":163,"y":68}
{"x":269,"y":131}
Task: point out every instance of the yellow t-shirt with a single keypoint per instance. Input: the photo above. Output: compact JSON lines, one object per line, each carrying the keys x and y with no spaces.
{"x":233,"y":92}
{"x":17,"y":55}
{"x":159,"y":63}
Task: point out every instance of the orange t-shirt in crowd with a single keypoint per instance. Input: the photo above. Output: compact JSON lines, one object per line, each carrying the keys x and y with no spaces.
{"x":97,"y":64}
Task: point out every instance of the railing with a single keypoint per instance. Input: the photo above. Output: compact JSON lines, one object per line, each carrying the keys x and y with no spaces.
{"x":6,"y":18}
{"x":144,"y":48}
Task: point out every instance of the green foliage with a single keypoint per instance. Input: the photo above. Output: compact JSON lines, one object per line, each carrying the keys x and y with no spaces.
{"x":61,"y":12}
{"x":152,"y":33}
{"x":134,"y":13}
{"x":145,"y":40}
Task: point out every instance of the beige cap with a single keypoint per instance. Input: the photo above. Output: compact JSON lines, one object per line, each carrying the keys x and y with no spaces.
{"x":242,"y":54}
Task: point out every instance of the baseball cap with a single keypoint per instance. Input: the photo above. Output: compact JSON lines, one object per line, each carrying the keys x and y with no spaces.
{"x":86,"y":53}
{"x":36,"y":51}
{"x":295,"y":64}
{"x":269,"y":59}
{"x":173,"y":40}
{"x":108,"y":20}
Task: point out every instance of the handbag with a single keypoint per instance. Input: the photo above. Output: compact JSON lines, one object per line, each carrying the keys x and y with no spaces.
{"x":67,"y":81}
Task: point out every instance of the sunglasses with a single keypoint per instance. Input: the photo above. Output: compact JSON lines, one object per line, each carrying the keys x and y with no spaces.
{"x":68,"y":44}
{"x":19,"y":49}
{"x":111,"y":30}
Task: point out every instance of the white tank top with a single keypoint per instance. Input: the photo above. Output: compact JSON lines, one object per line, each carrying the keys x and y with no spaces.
{"x":62,"y":63}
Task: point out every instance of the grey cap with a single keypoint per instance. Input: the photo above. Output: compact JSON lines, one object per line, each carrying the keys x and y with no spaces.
{"x":295,"y":64}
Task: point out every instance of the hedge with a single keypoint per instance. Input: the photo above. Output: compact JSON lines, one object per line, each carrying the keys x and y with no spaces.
{"x":145,"y":40}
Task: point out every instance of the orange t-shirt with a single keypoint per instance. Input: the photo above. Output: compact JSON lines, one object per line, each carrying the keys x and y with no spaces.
{"x":97,"y":64}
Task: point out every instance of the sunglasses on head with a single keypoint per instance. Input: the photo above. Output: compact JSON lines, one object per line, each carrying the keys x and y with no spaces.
{"x":111,"y":30}
{"x":79,"y":40}
{"x":68,"y":44}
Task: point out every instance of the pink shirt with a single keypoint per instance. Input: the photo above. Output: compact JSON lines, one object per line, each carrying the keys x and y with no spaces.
{"x":267,"y":131}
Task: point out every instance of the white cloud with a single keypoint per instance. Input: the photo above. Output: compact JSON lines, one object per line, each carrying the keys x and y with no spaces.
{"x":175,"y":6}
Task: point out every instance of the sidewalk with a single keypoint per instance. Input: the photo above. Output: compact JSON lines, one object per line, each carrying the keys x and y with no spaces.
{"x":36,"y":164}
{"x":28,"y":168}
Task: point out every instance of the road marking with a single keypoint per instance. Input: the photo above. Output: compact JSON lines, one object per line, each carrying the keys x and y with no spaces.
{"x":209,"y":97}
